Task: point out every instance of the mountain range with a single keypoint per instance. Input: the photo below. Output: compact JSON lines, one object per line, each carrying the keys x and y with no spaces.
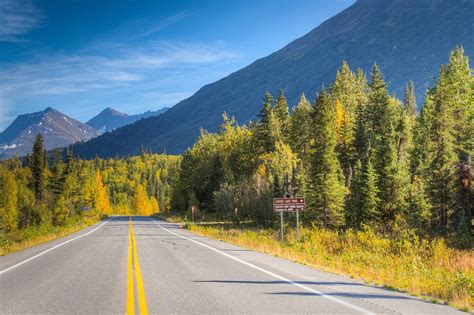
{"x":110,"y":119}
{"x":408,"y":39}
{"x":59,"y":130}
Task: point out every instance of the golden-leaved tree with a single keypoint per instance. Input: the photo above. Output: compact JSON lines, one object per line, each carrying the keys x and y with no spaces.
{"x":102,"y":202}
{"x":141,"y":202}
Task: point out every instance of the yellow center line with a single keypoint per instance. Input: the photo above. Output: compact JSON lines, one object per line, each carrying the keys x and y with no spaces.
{"x":133,"y":261}
{"x":130,"y":293}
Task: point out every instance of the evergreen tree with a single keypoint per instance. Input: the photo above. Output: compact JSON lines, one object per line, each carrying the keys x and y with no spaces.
{"x":419,"y":207}
{"x":349,"y":88}
{"x":301,"y":139}
{"x":422,"y":144}
{"x":391,"y":183}
{"x":410,"y":100}
{"x":460,"y":97}
{"x":327,"y":188}
{"x":38,"y":168}
{"x":441,"y":170}
{"x":280,"y":110}
{"x":69,"y":161}
{"x":56,"y":181}
{"x":369,"y":199}
{"x":264,"y":130}
{"x":345,"y":139}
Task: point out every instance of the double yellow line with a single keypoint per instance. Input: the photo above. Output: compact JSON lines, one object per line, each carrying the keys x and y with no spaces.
{"x":133,"y":264}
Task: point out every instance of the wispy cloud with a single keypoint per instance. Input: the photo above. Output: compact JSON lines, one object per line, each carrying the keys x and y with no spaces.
{"x":163,"y":24}
{"x":18,"y":18}
{"x":60,"y":74}
{"x":142,"y":71}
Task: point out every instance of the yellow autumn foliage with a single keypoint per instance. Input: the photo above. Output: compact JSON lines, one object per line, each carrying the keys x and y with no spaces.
{"x":102,"y":202}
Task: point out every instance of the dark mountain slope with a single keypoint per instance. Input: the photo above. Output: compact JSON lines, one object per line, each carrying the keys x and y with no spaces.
{"x":58,"y":130}
{"x":409,"y":39}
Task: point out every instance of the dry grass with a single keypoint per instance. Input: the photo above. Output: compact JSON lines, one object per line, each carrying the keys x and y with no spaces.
{"x":420,"y":267}
{"x":37,"y":235}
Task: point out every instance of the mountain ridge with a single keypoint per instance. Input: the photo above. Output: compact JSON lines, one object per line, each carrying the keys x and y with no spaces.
{"x":110,"y":119}
{"x":409,"y":40}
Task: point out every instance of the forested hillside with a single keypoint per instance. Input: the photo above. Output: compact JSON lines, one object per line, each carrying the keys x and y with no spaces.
{"x":361,"y":157}
{"x":409,"y":40}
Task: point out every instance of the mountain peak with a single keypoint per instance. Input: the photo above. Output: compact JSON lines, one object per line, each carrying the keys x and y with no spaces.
{"x":57,"y":129}
{"x":110,"y":119}
{"x":112,"y":111}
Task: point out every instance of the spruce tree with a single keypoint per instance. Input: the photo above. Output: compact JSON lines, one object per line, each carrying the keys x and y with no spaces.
{"x":263,"y":129}
{"x":38,"y":168}
{"x":441,"y":168}
{"x":460,"y":96}
{"x":280,"y":110}
{"x":345,"y":139}
{"x":56,"y":181}
{"x":327,"y":187}
{"x":349,"y":88}
{"x":369,"y":199}
{"x":382,"y":113}
{"x":300,"y":130}
{"x":410,"y":100}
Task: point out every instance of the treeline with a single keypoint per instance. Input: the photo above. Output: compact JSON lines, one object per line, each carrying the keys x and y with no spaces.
{"x":359,"y":155}
{"x":51,"y":189}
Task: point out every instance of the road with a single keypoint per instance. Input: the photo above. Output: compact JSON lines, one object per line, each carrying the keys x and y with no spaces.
{"x":141,"y":265}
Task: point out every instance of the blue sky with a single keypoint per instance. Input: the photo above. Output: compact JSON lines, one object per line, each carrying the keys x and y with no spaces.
{"x":82,"y":56}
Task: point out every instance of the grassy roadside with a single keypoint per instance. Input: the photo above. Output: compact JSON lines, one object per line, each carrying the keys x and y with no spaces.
{"x":428,"y":269}
{"x":36,"y":235}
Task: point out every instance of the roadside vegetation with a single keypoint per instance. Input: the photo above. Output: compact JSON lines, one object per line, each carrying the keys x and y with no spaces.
{"x":425,"y":268}
{"x":46,"y":196}
{"x":36,"y":235}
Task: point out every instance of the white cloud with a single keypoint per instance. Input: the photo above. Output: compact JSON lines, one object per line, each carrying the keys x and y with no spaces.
{"x":137,"y":70}
{"x":18,"y":18}
{"x":62,"y":74}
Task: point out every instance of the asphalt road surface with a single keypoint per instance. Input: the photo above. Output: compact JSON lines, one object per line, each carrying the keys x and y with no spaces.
{"x":146,"y":265}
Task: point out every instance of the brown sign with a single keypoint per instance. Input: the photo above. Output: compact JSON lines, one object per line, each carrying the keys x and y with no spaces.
{"x":288,"y":204}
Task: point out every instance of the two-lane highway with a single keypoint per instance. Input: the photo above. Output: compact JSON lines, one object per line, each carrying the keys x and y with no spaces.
{"x":140,"y":265}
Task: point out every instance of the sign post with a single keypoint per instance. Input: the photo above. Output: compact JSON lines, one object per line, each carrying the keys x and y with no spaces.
{"x":298,"y":225}
{"x":289,"y":205}
{"x":282,"y":226}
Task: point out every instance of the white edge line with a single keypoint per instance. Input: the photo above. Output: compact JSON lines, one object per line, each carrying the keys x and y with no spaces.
{"x":274,"y":275}
{"x":52,"y":248}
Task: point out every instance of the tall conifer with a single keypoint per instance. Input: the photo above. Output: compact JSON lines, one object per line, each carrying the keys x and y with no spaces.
{"x":327,"y":187}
